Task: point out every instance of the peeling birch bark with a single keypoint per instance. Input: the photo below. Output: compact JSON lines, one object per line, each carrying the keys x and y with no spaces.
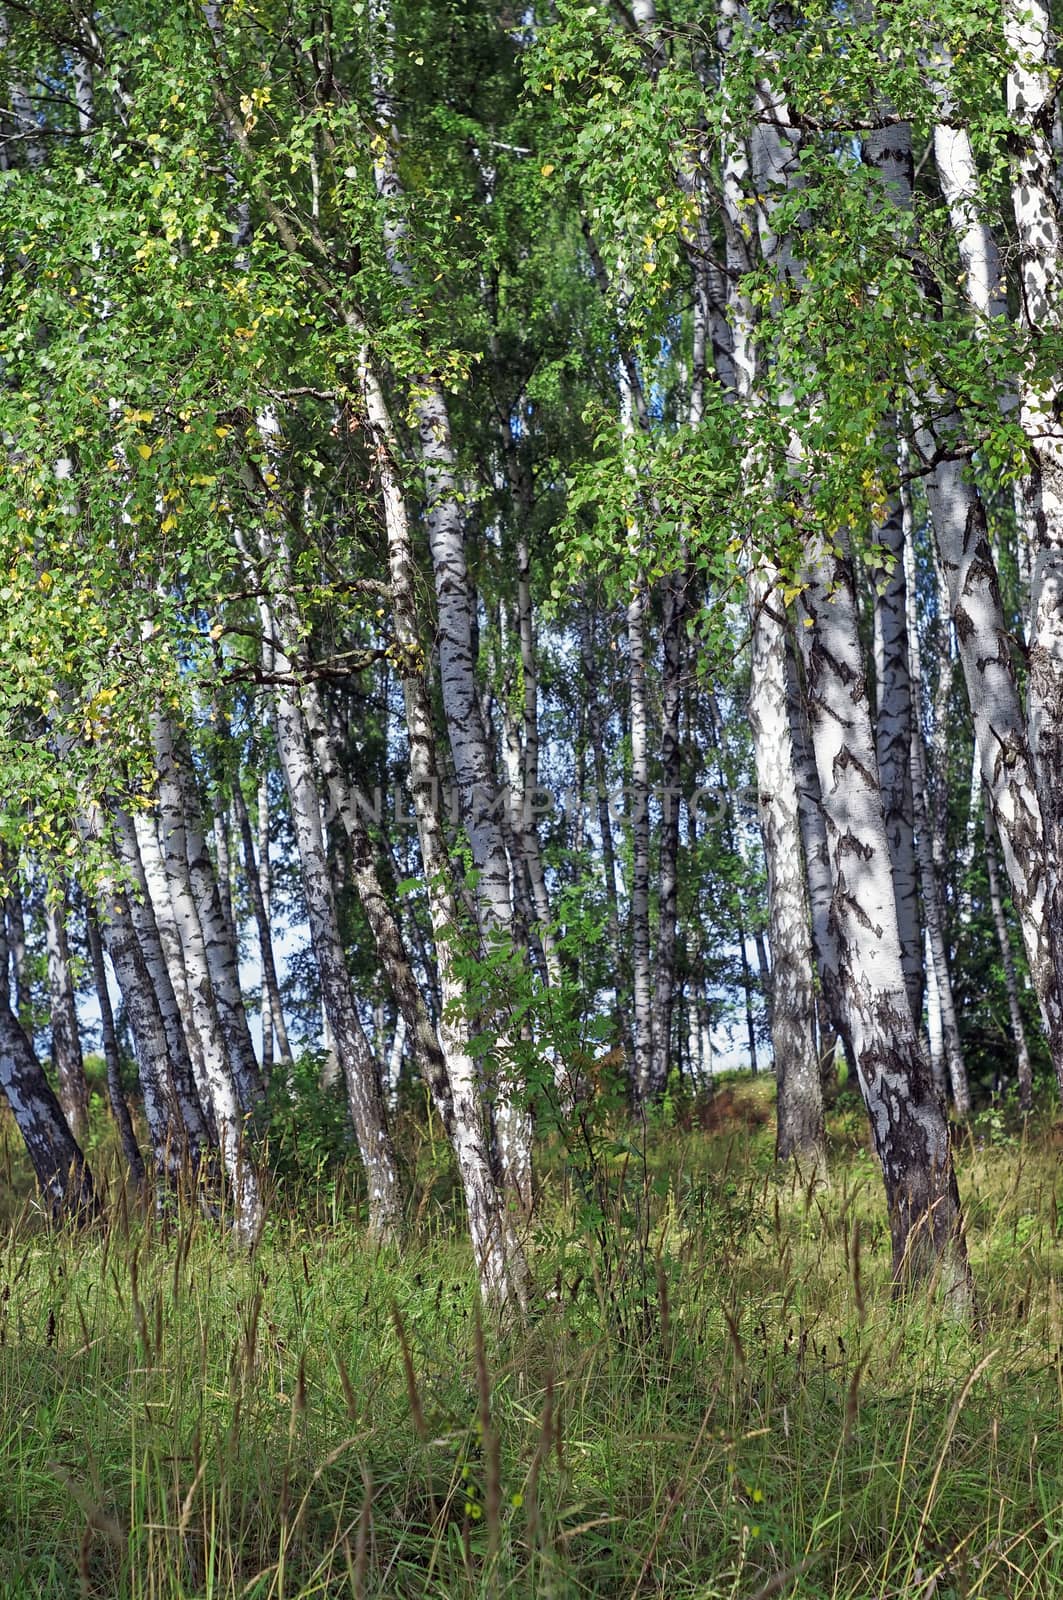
{"x":910,"y":1132}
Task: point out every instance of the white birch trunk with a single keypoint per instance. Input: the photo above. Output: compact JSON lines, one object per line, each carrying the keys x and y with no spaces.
{"x":219,"y":1082}
{"x":768,"y":172}
{"x":258,"y":880}
{"x":186,"y":1083}
{"x":219,"y":949}
{"x":946,"y":1050}
{"x":799,"y":1112}
{"x":639,"y":813}
{"x":115,"y":1093}
{"x":910,"y":1131}
{"x":1037,"y":202}
{"x":177,"y":1132}
{"x":498,"y":1252}
{"x":271,"y":1013}
{"x":958,"y":517}
{"x":162,"y":948}
{"x":353,"y":1049}
{"x":1023,"y":1068}
{"x":67,"y":1058}
{"x":893,"y":743}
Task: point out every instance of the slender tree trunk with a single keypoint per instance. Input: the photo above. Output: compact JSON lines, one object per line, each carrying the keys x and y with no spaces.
{"x":151,"y":910}
{"x":272,"y":1020}
{"x":180,"y":803}
{"x":67,"y":1058}
{"x":673,"y":637}
{"x":1023,"y":1068}
{"x":958,"y":516}
{"x":647,"y":1087}
{"x":346,"y":803}
{"x":16,"y":936}
{"x":223,"y":872}
{"x":479,"y":793}
{"x":272,"y":1009}
{"x":893,"y":744}
{"x":364,"y":1096}
{"x":115,"y":1092}
{"x":793,"y":1007}
{"x":61,"y":1170}
{"x":605,"y":829}
{"x":499,"y":1256}
{"x":1037,"y":201}
{"x":528,"y":744}
{"x":350,"y":807}
{"x":220,"y":1084}
{"x":172,"y":1107}
{"x":943,"y":1009}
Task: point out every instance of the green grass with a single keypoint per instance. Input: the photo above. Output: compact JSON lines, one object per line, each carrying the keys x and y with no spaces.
{"x":739,"y":1410}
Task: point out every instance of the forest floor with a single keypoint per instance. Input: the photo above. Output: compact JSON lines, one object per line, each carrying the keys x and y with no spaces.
{"x":715,"y":1395}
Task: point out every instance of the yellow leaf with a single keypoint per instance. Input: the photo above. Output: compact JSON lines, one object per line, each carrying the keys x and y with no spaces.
{"x":169,"y":523}
{"x":144,"y":451}
{"x":649,"y":266}
{"x":45,"y":581}
{"x":547,"y":169}
{"x":223,"y":433}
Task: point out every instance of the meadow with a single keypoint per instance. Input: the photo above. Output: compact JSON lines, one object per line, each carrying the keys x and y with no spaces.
{"x":713,"y":1396}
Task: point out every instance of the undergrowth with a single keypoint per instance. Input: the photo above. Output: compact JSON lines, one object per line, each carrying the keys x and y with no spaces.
{"x":182,"y":1421}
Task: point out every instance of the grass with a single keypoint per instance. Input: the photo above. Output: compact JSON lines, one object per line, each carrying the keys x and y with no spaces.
{"x":738,"y":1410}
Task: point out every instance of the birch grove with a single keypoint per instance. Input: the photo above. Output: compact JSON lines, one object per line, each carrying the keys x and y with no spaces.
{"x":492,"y":625}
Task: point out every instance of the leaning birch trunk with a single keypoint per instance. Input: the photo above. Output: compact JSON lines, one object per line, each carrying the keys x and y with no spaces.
{"x":959,"y":521}
{"x":500,"y":1260}
{"x":142,"y":854}
{"x":1023,"y":1068}
{"x":893,"y":744}
{"x":478,"y":788}
{"x":219,"y":949}
{"x":176,"y":1125}
{"x":1000,"y":732}
{"x":910,"y":1132}
{"x":67,"y":1058}
{"x":219,"y":1083}
{"x":944,"y":1007}
{"x":364,"y":1097}
{"x":281,"y":622}
{"x":151,"y":910}
{"x":61,"y":1170}
{"x":115,"y":1092}
{"x":479,"y":793}
{"x":383,"y":924}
